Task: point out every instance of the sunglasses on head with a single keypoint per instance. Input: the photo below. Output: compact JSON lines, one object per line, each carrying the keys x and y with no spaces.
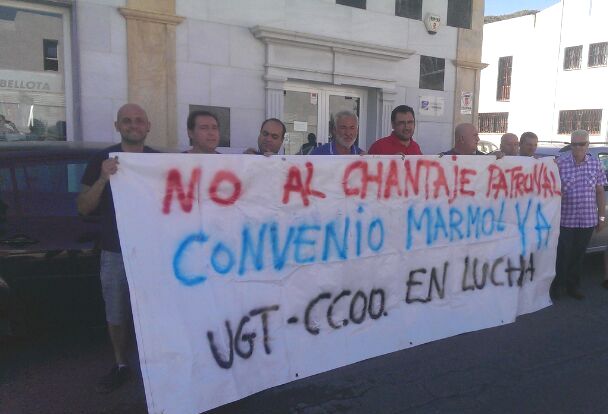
{"x":579,"y":144}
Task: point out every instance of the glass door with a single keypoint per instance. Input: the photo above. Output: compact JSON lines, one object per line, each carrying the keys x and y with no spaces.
{"x":300,"y":115}
{"x":310,"y":109}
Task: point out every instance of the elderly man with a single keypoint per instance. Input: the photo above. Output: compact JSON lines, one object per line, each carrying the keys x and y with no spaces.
{"x":204,"y":132}
{"x":346,"y":131}
{"x":272,"y":134}
{"x":466,"y":138}
{"x":527,"y":144}
{"x":401,"y":140}
{"x":583,"y":206}
{"x":133,"y":125}
{"x":509,"y":144}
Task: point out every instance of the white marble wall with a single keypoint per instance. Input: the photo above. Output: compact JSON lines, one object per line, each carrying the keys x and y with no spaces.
{"x":102,"y":52}
{"x":220,"y":62}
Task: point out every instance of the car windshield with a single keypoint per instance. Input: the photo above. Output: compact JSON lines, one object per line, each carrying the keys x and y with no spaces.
{"x":40,"y":188}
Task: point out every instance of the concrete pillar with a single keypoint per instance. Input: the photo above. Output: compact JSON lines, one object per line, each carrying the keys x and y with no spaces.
{"x":468,"y":64}
{"x":275,"y":99}
{"x":151,"y":60}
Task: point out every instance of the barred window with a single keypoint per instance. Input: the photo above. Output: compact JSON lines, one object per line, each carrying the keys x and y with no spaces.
{"x":597,"y":54}
{"x":588,"y":119}
{"x":493,"y":122}
{"x":360,"y":4}
{"x":432,"y":72}
{"x":503,"y":87}
{"x":409,"y":8}
{"x":460,"y":13}
{"x":572,"y":57}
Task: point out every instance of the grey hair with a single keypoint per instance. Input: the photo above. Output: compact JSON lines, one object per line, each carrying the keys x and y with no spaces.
{"x":580,"y":133}
{"x":345,"y":114}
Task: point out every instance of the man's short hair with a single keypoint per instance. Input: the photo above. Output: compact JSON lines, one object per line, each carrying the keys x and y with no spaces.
{"x":527,"y":135}
{"x":345,"y":114}
{"x":580,"y":133}
{"x":404,"y":109}
{"x":278,"y":121}
{"x":192,"y":118}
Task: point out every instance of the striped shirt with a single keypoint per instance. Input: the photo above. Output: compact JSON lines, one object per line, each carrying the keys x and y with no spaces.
{"x":579,"y":182}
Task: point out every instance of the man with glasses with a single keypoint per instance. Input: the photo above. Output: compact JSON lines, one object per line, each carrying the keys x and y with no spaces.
{"x":583,"y":205}
{"x":401,"y":140}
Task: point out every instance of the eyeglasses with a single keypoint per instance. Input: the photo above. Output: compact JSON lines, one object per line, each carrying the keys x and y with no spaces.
{"x":579,"y":144}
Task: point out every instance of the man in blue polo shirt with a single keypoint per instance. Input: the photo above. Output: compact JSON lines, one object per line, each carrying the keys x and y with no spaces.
{"x":346,"y":131}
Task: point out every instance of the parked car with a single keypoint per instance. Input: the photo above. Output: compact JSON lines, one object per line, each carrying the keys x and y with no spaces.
{"x":49,"y":260}
{"x":486,"y":147}
{"x":599,"y":241}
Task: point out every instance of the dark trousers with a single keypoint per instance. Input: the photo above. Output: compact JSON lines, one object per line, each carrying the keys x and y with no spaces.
{"x":571,"y":247}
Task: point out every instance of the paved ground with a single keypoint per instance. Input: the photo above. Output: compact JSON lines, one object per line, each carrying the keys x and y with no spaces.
{"x":552,"y":361}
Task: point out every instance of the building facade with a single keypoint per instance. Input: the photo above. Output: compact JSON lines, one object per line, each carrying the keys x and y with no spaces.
{"x":547,"y":73}
{"x":67,"y":66}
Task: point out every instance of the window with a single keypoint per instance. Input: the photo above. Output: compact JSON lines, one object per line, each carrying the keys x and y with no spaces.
{"x":597,"y":54}
{"x":459,"y":13}
{"x":41,"y":187}
{"x":588,"y":119}
{"x":432,"y":71}
{"x":493,"y":122}
{"x":503,"y":87}
{"x":572,"y":57}
{"x":411,"y":9}
{"x":360,"y":4}
{"x":49,"y":48}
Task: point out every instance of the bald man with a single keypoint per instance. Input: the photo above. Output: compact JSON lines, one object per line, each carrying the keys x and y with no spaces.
{"x":133,"y":125}
{"x":466,"y":138}
{"x":509,"y":144}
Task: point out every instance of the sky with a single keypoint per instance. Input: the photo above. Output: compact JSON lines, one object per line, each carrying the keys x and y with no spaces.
{"x":497,"y":7}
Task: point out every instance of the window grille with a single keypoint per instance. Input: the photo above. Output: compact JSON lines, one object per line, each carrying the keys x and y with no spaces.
{"x":493,"y":122}
{"x":503,"y":87}
{"x":572,"y":57}
{"x":597,"y":54}
{"x":588,"y":119}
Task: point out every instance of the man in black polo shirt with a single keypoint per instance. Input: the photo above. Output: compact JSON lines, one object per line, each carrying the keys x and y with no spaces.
{"x":96,"y":195}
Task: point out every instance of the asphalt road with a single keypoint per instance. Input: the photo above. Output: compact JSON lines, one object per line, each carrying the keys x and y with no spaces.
{"x":551,"y":361}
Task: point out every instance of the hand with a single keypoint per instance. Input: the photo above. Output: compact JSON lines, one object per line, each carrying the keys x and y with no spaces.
{"x":600,"y":225}
{"x":108,"y":168}
{"x":499,"y":154}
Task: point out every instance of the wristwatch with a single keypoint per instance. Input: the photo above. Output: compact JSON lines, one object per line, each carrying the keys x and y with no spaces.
{"x":602,"y":218}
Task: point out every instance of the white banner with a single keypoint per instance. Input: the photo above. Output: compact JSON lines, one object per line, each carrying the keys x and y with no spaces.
{"x":247,"y":272}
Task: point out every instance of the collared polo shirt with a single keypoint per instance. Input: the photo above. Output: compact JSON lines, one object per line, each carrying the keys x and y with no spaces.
{"x":392,"y":145}
{"x":579,"y":181}
{"x":330,"y":149}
